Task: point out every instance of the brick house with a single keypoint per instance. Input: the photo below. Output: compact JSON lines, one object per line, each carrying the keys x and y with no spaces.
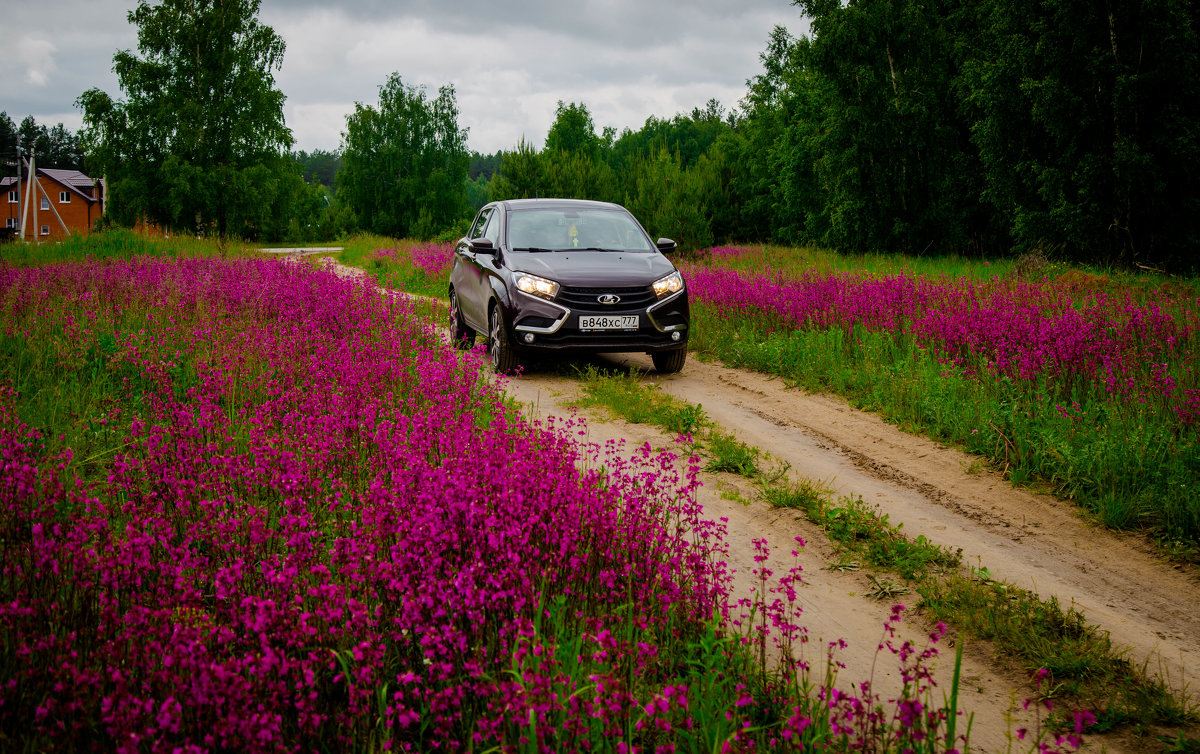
{"x":60,"y":198}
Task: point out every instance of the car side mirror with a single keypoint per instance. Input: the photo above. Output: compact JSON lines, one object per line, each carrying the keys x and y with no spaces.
{"x":482,"y":245}
{"x":666,"y":245}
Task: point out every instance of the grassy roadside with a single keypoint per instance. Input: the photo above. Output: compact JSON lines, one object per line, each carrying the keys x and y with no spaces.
{"x":1080,"y":665}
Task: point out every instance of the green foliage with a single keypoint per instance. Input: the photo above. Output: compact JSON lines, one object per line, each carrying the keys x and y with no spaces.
{"x":573,"y":131}
{"x":976,"y":127}
{"x":51,"y":147}
{"x":520,"y":176}
{"x":8,"y":140}
{"x":1084,"y":117}
{"x":113,"y":243}
{"x":669,"y":201}
{"x":198,"y":143}
{"x":478,"y":193}
{"x":484,"y":166}
{"x":320,"y":166}
{"x":571,"y":166}
{"x":405,"y":164}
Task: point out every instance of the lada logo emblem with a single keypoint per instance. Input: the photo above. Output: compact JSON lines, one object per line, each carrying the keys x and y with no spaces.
{"x":609,"y":298}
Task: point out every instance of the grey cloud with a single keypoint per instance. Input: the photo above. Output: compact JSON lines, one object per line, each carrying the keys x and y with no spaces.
{"x":510,"y":62}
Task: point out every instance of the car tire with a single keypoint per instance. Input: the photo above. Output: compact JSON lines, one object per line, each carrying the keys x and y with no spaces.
{"x":499,"y":349}
{"x":669,"y":362}
{"x":461,"y":336}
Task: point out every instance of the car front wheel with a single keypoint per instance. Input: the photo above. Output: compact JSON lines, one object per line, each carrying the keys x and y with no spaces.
{"x":499,"y":349}
{"x":669,"y":362}
{"x":462,"y":336}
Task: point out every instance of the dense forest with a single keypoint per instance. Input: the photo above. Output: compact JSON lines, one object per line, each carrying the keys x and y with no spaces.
{"x":992,"y":127}
{"x":979,"y":127}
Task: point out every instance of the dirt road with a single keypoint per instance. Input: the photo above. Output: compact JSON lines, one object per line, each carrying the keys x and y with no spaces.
{"x":1028,"y":540}
{"x":1037,"y":542}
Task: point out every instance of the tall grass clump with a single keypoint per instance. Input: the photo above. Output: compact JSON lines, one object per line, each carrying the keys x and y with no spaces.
{"x":1061,"y":380}
{"x":249,"y":505}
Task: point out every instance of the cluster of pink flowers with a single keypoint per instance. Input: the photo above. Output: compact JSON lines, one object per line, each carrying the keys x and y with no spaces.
{"x":1022,"y":330}
{"x":315,"y":524}
{"x":433,"y":258}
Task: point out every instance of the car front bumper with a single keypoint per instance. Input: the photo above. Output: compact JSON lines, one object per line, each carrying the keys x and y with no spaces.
{"x":541,"y":325}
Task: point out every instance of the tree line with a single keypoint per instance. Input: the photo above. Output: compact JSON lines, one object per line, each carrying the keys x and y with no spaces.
{"x":1065,"y":127}
{"x":976,"y":126}
{"x":51,"y":147}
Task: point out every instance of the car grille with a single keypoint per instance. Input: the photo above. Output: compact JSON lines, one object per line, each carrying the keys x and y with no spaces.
{"x":585,"y":299}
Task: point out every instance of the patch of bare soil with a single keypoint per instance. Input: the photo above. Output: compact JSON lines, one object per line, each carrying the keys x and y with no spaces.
{"x":1034,"y":541}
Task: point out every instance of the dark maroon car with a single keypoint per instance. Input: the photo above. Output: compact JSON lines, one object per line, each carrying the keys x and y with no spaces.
{"x":567,"y":275}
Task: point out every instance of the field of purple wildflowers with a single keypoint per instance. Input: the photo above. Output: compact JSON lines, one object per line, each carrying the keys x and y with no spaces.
{"x":1091,"y":388}
{"x":250,"y":505}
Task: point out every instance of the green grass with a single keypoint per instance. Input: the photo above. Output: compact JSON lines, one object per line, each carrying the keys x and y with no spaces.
{"x":116,"y":243}
{"x":626,"y":395}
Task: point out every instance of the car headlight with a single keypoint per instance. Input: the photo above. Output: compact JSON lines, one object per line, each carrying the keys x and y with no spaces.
{"x":672,"y":283}
{"x":536,"y":286}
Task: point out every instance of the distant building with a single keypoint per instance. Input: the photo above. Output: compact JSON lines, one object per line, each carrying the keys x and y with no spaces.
{"x":62,"y":202}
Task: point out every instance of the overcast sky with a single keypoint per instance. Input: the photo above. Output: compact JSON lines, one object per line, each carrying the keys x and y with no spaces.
{"x":510,"y":62}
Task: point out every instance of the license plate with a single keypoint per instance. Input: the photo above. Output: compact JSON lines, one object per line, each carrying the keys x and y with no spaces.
{"x":608,"y":322}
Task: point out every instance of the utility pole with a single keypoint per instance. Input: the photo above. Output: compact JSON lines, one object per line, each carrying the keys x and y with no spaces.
{"x":25,"y":201}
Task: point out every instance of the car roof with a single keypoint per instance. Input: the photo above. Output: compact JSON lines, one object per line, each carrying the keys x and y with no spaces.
{"x":558,"y":203}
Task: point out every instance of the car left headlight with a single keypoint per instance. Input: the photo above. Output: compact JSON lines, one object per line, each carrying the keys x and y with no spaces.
{"x":672,"y":283}
{"x":536,"y":286}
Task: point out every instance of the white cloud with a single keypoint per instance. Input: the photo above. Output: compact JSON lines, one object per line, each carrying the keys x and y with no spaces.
{"x":36,"y":56}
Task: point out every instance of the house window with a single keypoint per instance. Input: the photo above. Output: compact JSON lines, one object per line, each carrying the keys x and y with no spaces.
{"x":12,"y":197}
{"x":64,"y":197}
{"x":10,"y":222}
{"x":45,"y":203}
{"x":45,"y":230}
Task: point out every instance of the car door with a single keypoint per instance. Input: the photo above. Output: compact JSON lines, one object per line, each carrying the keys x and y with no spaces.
{"x":488,"y":264}
{"x":467,"y":276}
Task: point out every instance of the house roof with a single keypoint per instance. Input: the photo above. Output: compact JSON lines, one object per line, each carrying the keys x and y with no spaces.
{"x":73,"y":180}
{"x":67,"y":177}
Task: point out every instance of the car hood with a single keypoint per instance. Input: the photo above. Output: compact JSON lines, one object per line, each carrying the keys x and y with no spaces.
{"x":594,"y":268}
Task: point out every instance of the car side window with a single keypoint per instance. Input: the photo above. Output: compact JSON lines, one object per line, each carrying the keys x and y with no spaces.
{"x":493,"y":229}
{"x":480,"y":222}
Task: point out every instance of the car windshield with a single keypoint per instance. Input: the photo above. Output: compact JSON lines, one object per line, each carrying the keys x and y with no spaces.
{"x":568,"y":229}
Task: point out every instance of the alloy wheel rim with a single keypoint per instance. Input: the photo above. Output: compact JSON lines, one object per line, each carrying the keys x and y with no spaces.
{"x":494,"y":340}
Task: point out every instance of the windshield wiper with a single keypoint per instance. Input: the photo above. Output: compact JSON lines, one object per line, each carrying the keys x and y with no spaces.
{"x":531,"y":248}
{"x":593,"y":248}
